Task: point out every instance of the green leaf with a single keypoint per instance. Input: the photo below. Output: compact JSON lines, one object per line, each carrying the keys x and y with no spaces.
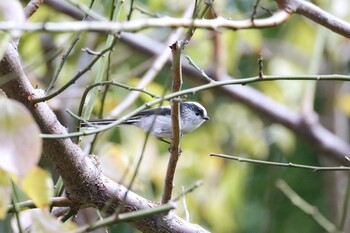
{"x":20,"y":143}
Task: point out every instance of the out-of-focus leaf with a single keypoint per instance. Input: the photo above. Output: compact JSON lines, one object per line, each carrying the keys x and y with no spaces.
{"x":12,"y":11}
{"x":39,"y":187}
{"x":5,"y":193}
{"x":46,"y":223}
{"x":40,"y":221}
{"x":20,"y":143}
{"x":343,"y":103}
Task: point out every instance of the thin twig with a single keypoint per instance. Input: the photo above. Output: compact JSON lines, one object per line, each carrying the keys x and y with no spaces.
{"x":72,"y":212}
{"x":345,"y":205}
{"x":201,"y":71}
{"x":80,"y":119}
{"x":55,"y":201}
{"x":90,"y":51}
{"x":306,"y":207}
{"x":187,"y":213}
{"x":277,"y":164}
{"x":140,"y":214}
{"x":260,"y":63}
{"x":16,"y":208}
{"x":130,"y":10}
{"x":153,"y":15}
{"x":32,"y":7}
{"x":188,"y":190}
{"x":140,"y":24}
{"x":87,"y":10}
{"x":255,"y":7}
{"x":175,"y":149}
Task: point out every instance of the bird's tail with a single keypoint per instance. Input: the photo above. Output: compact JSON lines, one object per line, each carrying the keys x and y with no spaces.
{"x":100,"y":122}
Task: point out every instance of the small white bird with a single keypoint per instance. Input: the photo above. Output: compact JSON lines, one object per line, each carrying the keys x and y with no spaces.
{"x":157,"y":121}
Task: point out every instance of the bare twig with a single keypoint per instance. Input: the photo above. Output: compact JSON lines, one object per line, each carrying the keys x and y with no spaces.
{"x":132,"y":216}
{"x":261,"y":65}
{"x":175,"y":149}
{"x":255,"y":7}
{"x":32,"y":7}
{"x":187,"y":213}
{"x":291,"y":165}
{"x":142,"y":11}
{"x":306,"y":207}
{"x":201,"y":71}
{"x":190,"y":189}
{"x":301,"y":7}
{"x":55,"y":201}
{"x":140,"y":24}
{"x":87,"y":10}
{"x":345,"y":206}
{"x":130,"y":10}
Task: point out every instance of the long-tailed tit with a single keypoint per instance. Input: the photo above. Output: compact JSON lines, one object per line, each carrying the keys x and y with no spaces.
{"x":157,"y":121}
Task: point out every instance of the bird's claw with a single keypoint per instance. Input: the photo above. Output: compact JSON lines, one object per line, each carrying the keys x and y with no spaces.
{"x":170,"y":150}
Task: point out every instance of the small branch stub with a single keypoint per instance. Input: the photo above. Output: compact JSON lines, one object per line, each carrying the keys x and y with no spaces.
{"x":261,"y":65}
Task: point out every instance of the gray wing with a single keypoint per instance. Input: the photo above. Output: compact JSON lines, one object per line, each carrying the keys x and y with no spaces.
{"x":161,"y":111}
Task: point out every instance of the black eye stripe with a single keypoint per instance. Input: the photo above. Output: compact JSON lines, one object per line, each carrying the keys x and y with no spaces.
{"x":199,"y":112}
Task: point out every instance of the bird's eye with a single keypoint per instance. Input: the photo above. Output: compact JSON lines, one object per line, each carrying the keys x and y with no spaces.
{"x":197,"y":113}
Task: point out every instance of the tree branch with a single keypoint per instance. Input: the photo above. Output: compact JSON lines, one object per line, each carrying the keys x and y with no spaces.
{"x":175,"y":150}
{"x":277,"y":164}
{"x":140,"y":24}
{"x":54,"y":202}
{"x":316,"y":14}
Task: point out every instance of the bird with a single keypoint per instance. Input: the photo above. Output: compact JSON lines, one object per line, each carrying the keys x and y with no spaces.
{"x":157,"y":121}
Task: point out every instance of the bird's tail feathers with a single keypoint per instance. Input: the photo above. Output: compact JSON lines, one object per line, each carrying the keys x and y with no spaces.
{"x":100,"y":122}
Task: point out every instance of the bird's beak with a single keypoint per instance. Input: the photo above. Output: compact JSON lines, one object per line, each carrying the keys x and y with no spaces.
{"x":206,"y":118}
